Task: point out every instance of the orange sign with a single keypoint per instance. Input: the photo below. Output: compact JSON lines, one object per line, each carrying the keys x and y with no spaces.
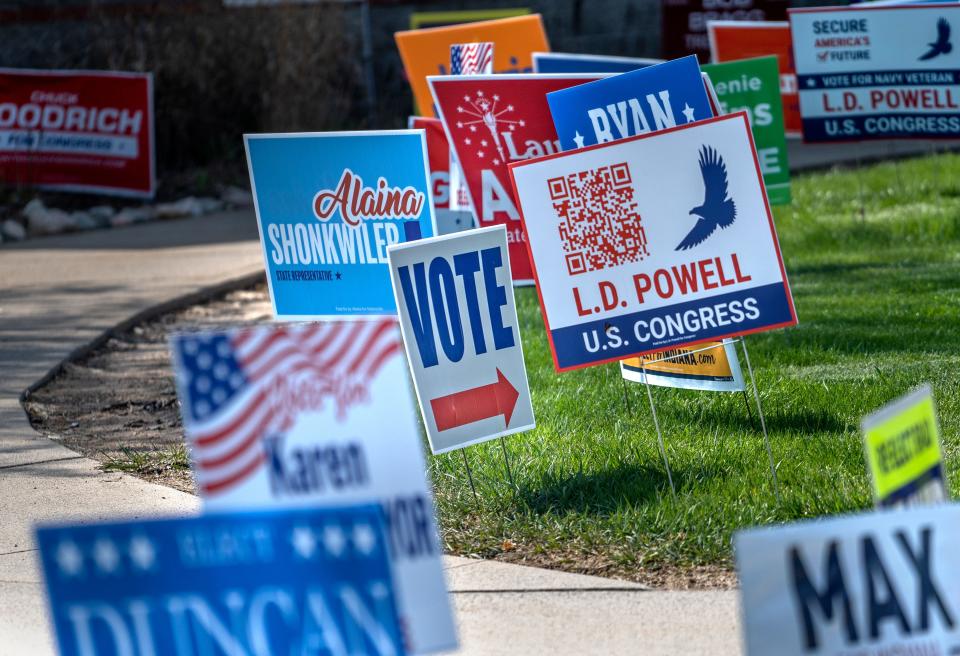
{"x":427,"y":52}
{"x":730,"y":40}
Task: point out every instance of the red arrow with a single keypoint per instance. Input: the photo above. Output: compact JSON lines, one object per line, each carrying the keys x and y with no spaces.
{"x":468,"y":406}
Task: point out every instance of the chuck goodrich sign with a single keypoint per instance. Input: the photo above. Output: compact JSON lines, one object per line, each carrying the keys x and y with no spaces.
{"x":878,"y":72}
{"x":653,"y":242}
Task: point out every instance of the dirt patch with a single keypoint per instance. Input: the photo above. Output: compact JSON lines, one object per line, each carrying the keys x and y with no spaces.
{"x":118,"y":405}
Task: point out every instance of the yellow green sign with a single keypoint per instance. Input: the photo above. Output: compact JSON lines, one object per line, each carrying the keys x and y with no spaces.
{"x":902,"y":442}
{"x":420,"y":19}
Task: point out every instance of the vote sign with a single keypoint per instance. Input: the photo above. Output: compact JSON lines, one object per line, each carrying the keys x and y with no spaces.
{"x":902,"y":443}
{"x":459,"y":322}
{"x":328,"y":205}
{"x":638,"y":102}
{"x":490,"y":121}
{"x":876,"y":583}
{"x":318,"y":414}
{"x":282,"y":582}
{"x":653,"y":242}
{"x":878,"y":72}
{"x":565,"y":62}
{"x":752,"y":85}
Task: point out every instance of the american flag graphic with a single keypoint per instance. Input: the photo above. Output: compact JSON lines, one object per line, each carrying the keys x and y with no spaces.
{"x":239,"y":386}
{"x":471,"y":58}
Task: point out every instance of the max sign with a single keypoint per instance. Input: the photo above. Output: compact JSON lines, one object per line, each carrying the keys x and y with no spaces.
{"x":459,"y":323}
{"x":877,"y":583}
{"x":313,"y":414}
{"x":652,"y":242}
{"x":284,"y":582}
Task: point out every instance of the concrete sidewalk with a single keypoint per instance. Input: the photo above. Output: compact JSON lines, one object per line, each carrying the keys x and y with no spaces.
{"x":57,"y":294}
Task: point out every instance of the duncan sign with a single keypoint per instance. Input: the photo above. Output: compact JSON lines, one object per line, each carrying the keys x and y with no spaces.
{"x":656,"y":241}
{"x":83,"y":131}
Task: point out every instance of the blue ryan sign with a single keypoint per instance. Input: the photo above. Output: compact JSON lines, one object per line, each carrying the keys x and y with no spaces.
{"x":290,"y":582}
{"x":328,"y":206}
{"x":638,"y":102}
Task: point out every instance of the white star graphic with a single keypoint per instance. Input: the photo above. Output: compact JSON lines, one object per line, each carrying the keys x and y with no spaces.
{"x":811,"y":82}
{"x":480,"y":94}
{"x":142,"y":552}
{"x":479,"y":153}
{"x":522,"y":122}
{"x":467,"y":141}
{"x":473,"y":128}
{"x":106,"y":556}
{"x":303,"y":541}
{"x":496,"y":162}
{"x":512,"y":127}
{"x":460,"y":109}
{"x":509,"y":108}
{"x":334,"y":540}
{"x":578,"y":139}
{"x":69,"y":558}
{"x":363,"y":539}
{"x":459,"y":124}
{"x":688,"y":112}
{"x":466,"y":99}
{"x":483,"y":142}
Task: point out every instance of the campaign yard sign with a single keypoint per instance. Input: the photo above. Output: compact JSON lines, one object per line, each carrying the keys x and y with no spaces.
{"x":427,"y":52}
{"x":711,"y":366}
{"x":657,"y":241}
{"x":734,"y":40}
{"x":422,"y":19}
{"x":632,"y":103}
{"x":889,"y":72}
{"x":564,"y":62}
{"x":684,"y":22}
{"x":318,"y":414}
{"x":492,"y":120}
{"x":328,"y":206}
{"x":438,"y":155}
{"x":875,"y":583}
{"x":752,"y":85}
{"x":902,"y":444}
{"x":280,"y":582}
{"x":87,"y":131}
{"x":459,"y":322}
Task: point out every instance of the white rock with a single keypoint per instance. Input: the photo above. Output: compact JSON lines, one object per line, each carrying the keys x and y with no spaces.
{"x":237,"y":197}
{"x":210,"y":204}
{"x":188,"y":206}
{"x":102,"y":213}
{"x":13,"y":230}
{"x":42,"y":220}
{"x":84,"y":221}
{"x":131,"y":215}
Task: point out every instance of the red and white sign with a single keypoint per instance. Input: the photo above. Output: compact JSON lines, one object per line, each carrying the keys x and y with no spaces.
{"x":85,"y":131}
{"x":438,"y":154}
{"x":491,"y":121}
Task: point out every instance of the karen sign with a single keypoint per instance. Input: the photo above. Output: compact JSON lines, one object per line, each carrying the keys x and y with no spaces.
{"x":318,"y":414}
{"x":637,"y":102}
{"x":328,"y":206}
{"x":86,"y":131}
{"x":653,"y":242}
{"x":876,"y":583}
{"x":890,"y":72}
{"x":283,"y":582}
{"x":460,"y":327}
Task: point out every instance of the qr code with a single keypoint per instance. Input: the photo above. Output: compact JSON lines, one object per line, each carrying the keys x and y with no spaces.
{"x":599,"y":223}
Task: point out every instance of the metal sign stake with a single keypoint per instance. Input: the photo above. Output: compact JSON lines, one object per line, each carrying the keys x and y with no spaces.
{"x":763,"y":423}
{"x":476,"y":499}
{"x":506,"y":460}
{"x":656,"y":423}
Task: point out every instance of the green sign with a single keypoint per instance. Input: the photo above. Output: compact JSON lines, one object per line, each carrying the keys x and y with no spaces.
{"x":754,"y":85}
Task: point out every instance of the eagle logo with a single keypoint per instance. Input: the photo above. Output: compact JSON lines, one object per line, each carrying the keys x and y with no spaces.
{"x":717,"y":208}
{"x":942,"y":45}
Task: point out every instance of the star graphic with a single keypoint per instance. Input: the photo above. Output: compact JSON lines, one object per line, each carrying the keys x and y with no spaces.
{"x":522,"y":122}
{"x":509,"y":108}
{"x":142,"y":552}
{"x":688,"y":112}
{"x":479,"y":94}
{"x":466,"y":99}
{"x":811,"y":82}
{"x":512,"y":127}
{"x":69,"y":558}
{"x":459,"y":124}
{"x":467,"y":141}
{"x":334,"y":540}
{"x":483,"y":142}
{"x":460,"y":109}
{"x":496,"y":97}
{"x":363,"y":539}
{"x":479,"y":153}
{"x":578,"y":139}
{"x":496,"y":162}
{"x":106,"y":556}
{"x":473,"y":128}
{"x":303,"y":541}
{"x":339,"y":275}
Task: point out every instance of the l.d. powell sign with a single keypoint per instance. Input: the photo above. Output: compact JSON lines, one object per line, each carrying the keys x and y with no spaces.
{"x":655,"y":241}
{"x":328,"y":205}
{"x":283,"y":582}
{"x":876,"y":583}
{"x":460,"y":327}
{"x":878,"y":72}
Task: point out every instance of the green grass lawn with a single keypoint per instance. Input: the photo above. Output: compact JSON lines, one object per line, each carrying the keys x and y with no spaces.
{"x":878,"y":300}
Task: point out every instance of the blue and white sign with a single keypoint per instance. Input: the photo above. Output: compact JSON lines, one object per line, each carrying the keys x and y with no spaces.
{"x":656,"y":241}
{"x":633,"y":103}
{"x":462,"y":336}
{"x":878,"y":72}
{"x":328,"y":206}
{"x":311,"y":581}
{"x":563,"y":62}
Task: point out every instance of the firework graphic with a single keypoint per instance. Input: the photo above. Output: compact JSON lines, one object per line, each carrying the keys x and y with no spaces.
{"x":479,"y":111}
